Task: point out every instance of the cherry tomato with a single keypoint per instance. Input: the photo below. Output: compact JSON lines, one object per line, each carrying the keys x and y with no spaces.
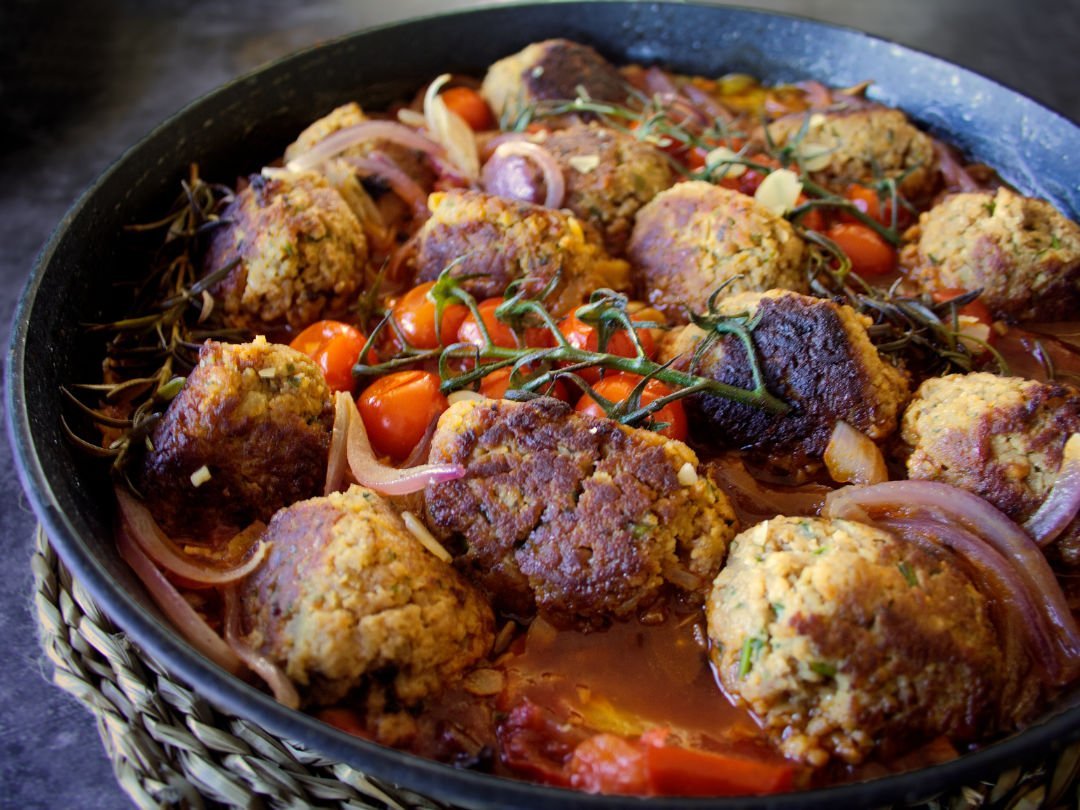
{"x":501,"y":333}
{"x":335,"y":347}
{"x":415,"y":315}
{"x":585,"y":336}
{"x":975,"y":309}
{"x":344,"y":719}
{"x":748,"y":181}
{"x":397,"y":410}
{"x":618,"y":387}
{"x":471,"y":106}
{"x":813,"y":219}
{"x":496,"y":384}
{"x":870,"y":255}
{"x":867,"y":200}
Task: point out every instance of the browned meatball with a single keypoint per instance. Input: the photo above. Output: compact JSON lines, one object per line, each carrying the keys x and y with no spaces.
{"x":999,"y":437}
{"x":846,"y":642}
{"x":1021,"y":252}
{"x":609,"y":176}
{"x":298,"y":249}
{"x":578,"y":517}
{"x":862,"y":146}
{"x":553,"y":69}
{"x":500,"y":240}
{"x":696,"y":236}
{"x":348,"y":598}
{"x":248,"y":434}
{"x":815,"y":355}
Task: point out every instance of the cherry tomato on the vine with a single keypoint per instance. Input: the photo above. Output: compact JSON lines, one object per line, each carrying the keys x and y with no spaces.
{"x":501,"y":334}
{"x":335,"y":347}
{"x":497,"y":383}
{"x":585,"y":336}
{"x":866,"y":199}
{"x":870,"y":255}
{"x":397,"y":410}
{"x":470,"y":105}
{"x":415,"y":316}
{"x":618,"y":387}
{"x":976,"y":309}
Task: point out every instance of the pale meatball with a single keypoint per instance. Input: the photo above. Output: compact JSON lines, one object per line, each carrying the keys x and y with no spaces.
{"x":550,"y":70}
{"x":580,"y":518}
{"x":815,"y":355}
{"x":696,"y":236}
{"x":862,"y":146}
{"x":296,"y":250}
{"x":1001,"y":438}
{"x":349,"y":599}
{"x":1020,"y":251}
{"x":846,"y":642}
{"x":257,"y":416}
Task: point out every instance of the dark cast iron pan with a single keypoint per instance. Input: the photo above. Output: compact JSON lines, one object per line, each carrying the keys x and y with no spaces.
{"x":243,"y":125}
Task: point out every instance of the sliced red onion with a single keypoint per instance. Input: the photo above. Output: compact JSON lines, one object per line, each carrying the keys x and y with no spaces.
{"x":450,"y":130}
{"x":284,"y":691}
{"x":337,"y":461}
{"x":490,"y":143}
{"x":184,"y":617}
{"x":373,"y":474}
{"x":343,"y":139}
{"x":706,"y":103}
{"x":818,"y":96}
{"x":949,"y":505}
{"x":1063,"y":503}
{"x":851,"y":457}
{"x":762,"y":501}
{"x":554,"y":182}
{"x":165,"y":553}
{"x":956,"y":176}
{"x":404,"y":186}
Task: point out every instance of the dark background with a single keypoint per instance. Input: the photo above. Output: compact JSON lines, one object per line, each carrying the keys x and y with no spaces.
{"x":81,"y":81}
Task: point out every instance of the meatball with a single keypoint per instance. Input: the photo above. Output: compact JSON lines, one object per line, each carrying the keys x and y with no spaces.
{"x":815,"y":355}
{"x":296,"y":250}
{"x":348,"y":598}
{"x":609,"y":176}
{"x":1021,"y":252}
{"x":578,"y":517}
{"x":253,"y":417}
{"x":696,"y":236}
{"x":553,"y":69}
{"x":1001,"y":438}
{"x":410,"y":161}
{"x":499,"y":241}
{"x":842,"y":640}
{"x":862,"y":146}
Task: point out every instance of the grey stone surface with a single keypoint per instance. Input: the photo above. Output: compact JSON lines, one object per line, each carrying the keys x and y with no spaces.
{"x":80,"y":81}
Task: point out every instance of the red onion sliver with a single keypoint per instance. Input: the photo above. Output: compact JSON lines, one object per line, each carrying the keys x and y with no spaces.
{"x":164,"y":552}
{"x":337,"y":460}
{"x":284,"y":691}
{"x":956,"y":176}
{"x":363,"y":132}
{"x":370,"y":472}
{"x":1063,"y":503}
{"x":401,"y":184}
{"x":554,"y":182}
{"x":184,"y":617}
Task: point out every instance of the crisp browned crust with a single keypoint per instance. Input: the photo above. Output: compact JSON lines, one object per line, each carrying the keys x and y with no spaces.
{"x":815,"y":355}
{"x":695,"y":237}
{"x":578,"y":517}
{"x":348,"y":599}
{"x":497,"y":240}
{"x":299,"y":253}
{"x":263,"y":438}
{"x":847,"y":643}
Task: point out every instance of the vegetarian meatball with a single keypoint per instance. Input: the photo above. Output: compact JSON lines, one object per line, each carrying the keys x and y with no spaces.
{"x":842,"y":640}
{"x":609,"y":176}
{"x":348,"y":598}
{"x":552,"y":69}
{"x":1021,"y":252}
{"x":862,"y":146}
{"x":1001,"y":438}
{"x":296,"y":251}
{"x":815,"y":355}
{"x":248,"y":434}
{"x":696,"y":236}
{"x":410,"y":161}
{"x":579,"y":517}
{"x":500,"y":240}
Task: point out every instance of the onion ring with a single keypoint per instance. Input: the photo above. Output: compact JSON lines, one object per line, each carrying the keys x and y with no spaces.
{"x":166,"y":554}
{"x":554,"y":181}
{"x":400,"y":183}
{"x":338,"y":142}
{"x":1063,"y":503}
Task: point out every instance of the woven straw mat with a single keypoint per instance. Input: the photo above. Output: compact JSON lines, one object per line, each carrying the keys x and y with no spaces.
{"x":171,"y":749}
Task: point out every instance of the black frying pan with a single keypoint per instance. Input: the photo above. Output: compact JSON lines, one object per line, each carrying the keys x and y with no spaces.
{"x":238,"y":128}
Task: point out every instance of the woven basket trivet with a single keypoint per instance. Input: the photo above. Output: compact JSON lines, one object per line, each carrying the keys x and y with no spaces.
{"x":170,"y":748}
